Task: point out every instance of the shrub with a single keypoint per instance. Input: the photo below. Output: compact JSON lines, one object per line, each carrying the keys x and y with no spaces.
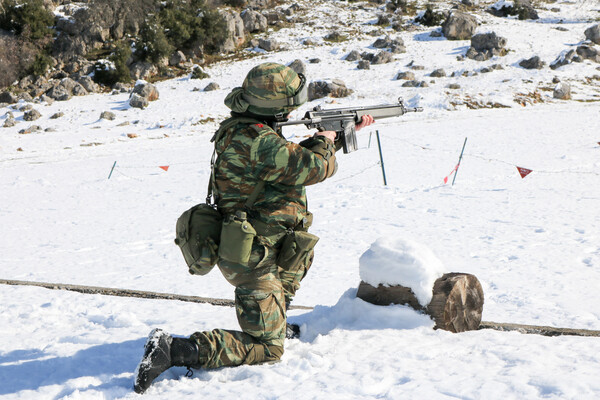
{"x":41,"y":64}
{"x":152,"y":43}
{"x":28,"y":18}
{"x":114,"y":69}
{"x":430,"y":17}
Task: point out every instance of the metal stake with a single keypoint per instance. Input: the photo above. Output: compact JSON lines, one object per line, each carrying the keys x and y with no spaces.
{"x":381,"y":158}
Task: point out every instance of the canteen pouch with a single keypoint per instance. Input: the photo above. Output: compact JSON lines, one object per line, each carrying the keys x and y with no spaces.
{"x":237,"y":236}
{"x":198,"y":232}
{"x":296,"y":247}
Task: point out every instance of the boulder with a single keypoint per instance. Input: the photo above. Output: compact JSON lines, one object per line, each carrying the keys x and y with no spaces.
{"x":407,"y":76}
{"x":9,"y":122}
{"x":298,"y":66}
{"x":254,"y":21}
{"x":415,"y":83}
{"x":364,"y":64}
{"x":485,"y":46}
{"x":88,"y":84}
{"x":108,"y":115}
{"x":532,"y":63}
{"x":236,"y":34}
{"x":522,"y":8}
{"x":32,"y":115}
{"x":353,"y":56}
{"x":562,"y":91}
{"x":211,"y":86}
{"x":588,"y":53}
{"x":335,"y":88}
{"x":147,"y":90}
{"x":459,"y":26}
{"x":79,"y":90}
{"x":438,"y":73}
{"x":269,"y":44}
{"x":564,"y":58}
{"x":8,"y":97}
{"x":177,"y":58}
{"x":383,"y":57}
{"x":138,"y":101}
{"x":142,"y":70}
{"x":593,"y":33}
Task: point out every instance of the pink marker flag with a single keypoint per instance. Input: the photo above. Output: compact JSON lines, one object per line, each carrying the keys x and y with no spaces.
{"x":450,"y":174}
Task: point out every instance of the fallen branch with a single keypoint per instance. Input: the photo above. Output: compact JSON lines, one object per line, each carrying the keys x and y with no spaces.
{"x":528,"y":329}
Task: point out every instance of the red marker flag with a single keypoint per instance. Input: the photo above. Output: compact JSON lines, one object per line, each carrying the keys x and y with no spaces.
{"x":450,"y":174}
{"x":524,"y":171}
{"x":165,"y":167}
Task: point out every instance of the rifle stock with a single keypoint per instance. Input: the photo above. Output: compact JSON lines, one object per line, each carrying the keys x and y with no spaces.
{"x":343,"y":120}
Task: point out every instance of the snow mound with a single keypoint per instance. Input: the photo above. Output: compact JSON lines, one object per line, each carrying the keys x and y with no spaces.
{"x":392,"y":261}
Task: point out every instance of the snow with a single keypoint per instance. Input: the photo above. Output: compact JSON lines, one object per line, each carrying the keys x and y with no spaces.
{"x":533,"y":243}
{"x":395,"y":261}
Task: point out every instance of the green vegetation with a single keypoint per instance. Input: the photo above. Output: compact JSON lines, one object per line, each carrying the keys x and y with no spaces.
{"x":28,"y":19}
{"x":430,"y":17}
{"x":108,"y":72}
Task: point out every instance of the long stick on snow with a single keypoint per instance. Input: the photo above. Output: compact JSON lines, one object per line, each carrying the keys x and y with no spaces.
{"x":529,"y":329}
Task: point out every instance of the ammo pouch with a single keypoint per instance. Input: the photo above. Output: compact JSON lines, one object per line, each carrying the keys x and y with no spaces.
{"x":296,"y":248}
{"x":237,"y":236}
{"x":198,"y":233}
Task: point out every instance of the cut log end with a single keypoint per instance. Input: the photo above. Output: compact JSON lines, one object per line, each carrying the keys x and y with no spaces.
{"x":456,"y":305}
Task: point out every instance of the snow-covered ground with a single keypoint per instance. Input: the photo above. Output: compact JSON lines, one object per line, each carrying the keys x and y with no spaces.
{"x":534,"y":243}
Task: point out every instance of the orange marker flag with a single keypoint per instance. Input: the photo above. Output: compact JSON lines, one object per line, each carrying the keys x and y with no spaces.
{"x":165,"y":167}
{"x":524,"y":171}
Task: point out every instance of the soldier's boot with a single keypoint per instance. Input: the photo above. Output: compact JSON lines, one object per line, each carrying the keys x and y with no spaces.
{"x":161,"y":352}
{"x":292,"y":331}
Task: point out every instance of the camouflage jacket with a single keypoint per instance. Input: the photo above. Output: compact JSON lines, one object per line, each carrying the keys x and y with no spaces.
{"x":248,"y":153}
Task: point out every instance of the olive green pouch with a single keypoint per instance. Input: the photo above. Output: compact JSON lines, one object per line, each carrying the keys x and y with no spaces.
{"x":198,"y":233}
{"x":237,"y":236}
{"x":296,"y":247}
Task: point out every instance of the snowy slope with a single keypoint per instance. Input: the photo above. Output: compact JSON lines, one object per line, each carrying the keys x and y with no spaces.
{"x":533,"y":242}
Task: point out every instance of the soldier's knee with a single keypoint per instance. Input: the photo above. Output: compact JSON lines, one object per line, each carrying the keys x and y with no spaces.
{"x":275,"y":352}
{"x":262,"y":353}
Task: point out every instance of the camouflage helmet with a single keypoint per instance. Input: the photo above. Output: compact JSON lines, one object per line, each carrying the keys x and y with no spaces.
{"x":269,"y":89}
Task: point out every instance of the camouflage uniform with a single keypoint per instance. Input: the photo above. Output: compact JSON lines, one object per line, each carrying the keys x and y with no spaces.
{"x":249,"y":151}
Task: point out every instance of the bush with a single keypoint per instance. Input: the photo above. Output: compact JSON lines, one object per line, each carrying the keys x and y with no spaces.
{"x":430,"y":17}
{"x":41,"y":64}
{"x":114,"y":69}
{"x":152,"y":44}
{"x":28,"y":18}
{"x":16,"y":58}
{"x":181,"y":25}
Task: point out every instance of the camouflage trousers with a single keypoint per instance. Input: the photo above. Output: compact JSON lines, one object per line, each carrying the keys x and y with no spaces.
{"x":261,"y":292}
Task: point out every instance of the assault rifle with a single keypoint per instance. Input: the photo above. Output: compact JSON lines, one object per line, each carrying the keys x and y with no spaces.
{"x":343,"y":120}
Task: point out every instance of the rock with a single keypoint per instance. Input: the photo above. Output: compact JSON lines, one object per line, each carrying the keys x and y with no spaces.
{"x":8,"y":97}
{"x":138,"y":101}
{"x":588,"y":53}
{"x":122,"y":87}
{"x":79,"y":90}
{"x":459,"y":26}
{"x":236,"y":34}
{"x":415,"y":83}
{"x":32,"y":115}
{"x":31,"y":129}
{"x":9,"y":122}
{"x":387,"y":42}
{"x":383,"y":57}
{"x":211,"y":86}
{"x":59,"y":93}
{"x":314,"y":60}
{"x":438,"y":73}
{"x":143,"y":70}
{"x":353,"y":56}
{"x":25,"y":97}
{"x":522,"y":8}
{"x":46,"y":99}
{"x":364,"y":64}
{"x":177,"y":58}
{"x":254,"y":21}
{"x":453,"y":86}
{"x":564,"y":58}
{"x":407,"y":76}
{"x":532,"y":63}
{"x":485,"y":46}
{"x":26,"y":107}
{"x":367,"y":56}
{"x":108,"y":115}
{"x":147,"y":90}
{"x":562,"y":91}
{"x":336,"y":88}
{"x":88,"y":84}
{"x":269,"y":44}
{"x":593,"y":33}
{"x":57,"y":115}
{"x":298,"y":66}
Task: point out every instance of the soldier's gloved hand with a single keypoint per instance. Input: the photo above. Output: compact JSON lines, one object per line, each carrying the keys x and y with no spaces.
{"x":364,"y":122}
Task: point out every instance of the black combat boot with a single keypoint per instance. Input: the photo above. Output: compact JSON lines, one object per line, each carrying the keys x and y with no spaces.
{"x":161,"y":352}
{"x":292,"y":331}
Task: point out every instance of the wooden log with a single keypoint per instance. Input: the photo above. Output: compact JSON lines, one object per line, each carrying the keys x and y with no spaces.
{"x":456,"y":305}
